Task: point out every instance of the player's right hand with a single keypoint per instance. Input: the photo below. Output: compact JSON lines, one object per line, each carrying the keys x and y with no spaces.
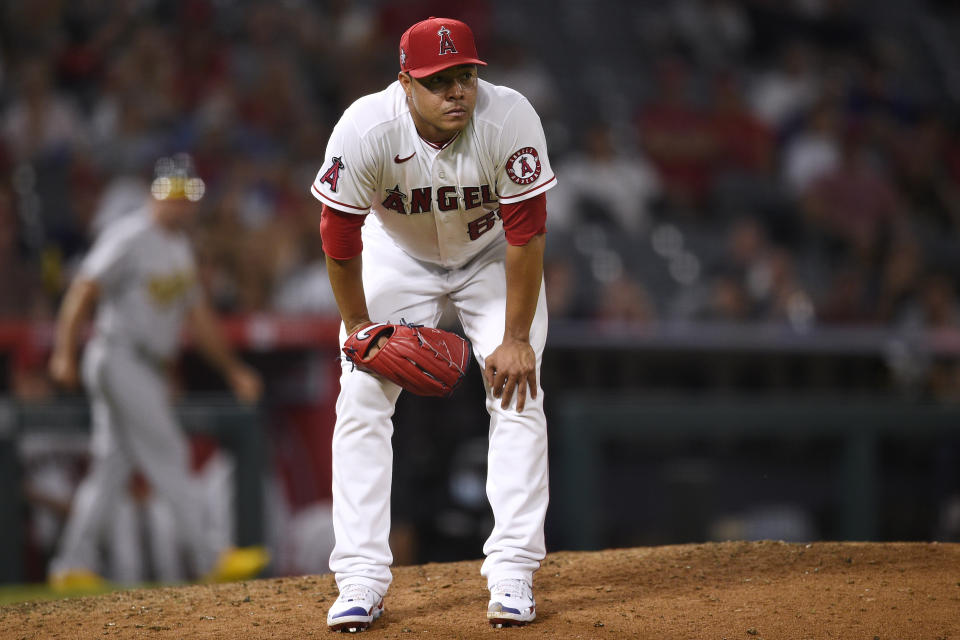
{"x":246,"y":383}
{"x":512,"y":366}
{"x":63,"y":370}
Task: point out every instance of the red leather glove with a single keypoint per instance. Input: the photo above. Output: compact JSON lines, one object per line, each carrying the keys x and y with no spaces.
{"x":423,"y":360}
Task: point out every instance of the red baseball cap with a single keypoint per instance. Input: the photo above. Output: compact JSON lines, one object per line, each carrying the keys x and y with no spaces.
{"x":434,"y":44}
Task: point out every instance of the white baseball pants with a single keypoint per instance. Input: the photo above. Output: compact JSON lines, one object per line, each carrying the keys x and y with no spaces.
{"x":400,"y":287}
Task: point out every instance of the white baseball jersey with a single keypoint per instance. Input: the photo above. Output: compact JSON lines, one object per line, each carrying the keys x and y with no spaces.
{"x":440,"y":204}
{"x":147,"y":279}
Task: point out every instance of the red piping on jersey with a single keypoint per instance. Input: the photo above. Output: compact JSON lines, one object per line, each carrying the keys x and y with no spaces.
{"x":340,"y":233}
{"x":440,"y":147}
{"x":343,"y":204}
{"x":525,"y":219}
{"x":520,"y":195}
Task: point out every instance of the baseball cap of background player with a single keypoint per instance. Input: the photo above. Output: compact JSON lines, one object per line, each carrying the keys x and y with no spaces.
{"x":434,"y":44}
{"x":175,"y":178}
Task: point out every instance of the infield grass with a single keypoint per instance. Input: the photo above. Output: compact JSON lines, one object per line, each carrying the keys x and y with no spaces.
{"x":19,"y":593}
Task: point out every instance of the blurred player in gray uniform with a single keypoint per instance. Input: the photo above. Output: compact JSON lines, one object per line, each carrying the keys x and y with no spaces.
{"x":141,"y":277}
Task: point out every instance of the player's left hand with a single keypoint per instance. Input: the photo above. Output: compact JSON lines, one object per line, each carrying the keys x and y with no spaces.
{"x":511,"y":368}
{"x":246,"y":383}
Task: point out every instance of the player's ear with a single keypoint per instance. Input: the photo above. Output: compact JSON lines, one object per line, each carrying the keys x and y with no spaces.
{"x":405,"y":81}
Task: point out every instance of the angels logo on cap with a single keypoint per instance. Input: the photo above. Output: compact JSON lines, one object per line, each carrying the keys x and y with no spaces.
{"x":435,"y":44}
{"x":446,"y":44}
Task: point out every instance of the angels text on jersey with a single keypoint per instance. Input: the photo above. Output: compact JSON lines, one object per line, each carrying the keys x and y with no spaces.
{"x":376,"y":162}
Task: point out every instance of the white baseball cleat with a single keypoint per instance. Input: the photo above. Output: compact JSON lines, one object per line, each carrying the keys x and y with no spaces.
{"x":356,"y":608}
{"x":511,"y":604}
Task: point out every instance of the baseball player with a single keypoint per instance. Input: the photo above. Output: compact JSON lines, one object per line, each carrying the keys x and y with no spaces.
{"x":454,"y":171}
{"x":141,"y":277}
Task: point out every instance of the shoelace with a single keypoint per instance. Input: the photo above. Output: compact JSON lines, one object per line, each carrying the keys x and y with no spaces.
{"x":512,"y":588}
{"x":354,"y":592}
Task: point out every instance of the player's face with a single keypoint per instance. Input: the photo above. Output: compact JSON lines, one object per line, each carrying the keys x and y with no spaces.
{"x":176,"y":212}
{"x":442,"y":103}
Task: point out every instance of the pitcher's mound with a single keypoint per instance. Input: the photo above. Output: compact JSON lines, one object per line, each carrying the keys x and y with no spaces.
{"x":735,"y":590}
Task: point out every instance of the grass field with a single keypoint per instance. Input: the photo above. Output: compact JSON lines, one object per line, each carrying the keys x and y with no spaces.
{"x":16,"y":593}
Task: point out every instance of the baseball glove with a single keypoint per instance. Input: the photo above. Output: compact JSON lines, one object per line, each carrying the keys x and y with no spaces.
{"x":422,"y":360}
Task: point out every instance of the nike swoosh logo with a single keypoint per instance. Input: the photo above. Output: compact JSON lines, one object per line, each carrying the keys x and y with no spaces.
{"x":364,"y":333}
{"x":400,"y":160}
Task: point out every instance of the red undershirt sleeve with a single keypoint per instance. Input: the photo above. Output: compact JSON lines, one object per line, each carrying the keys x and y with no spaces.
{"x":525,"y":219}
{"x":340,"y":233}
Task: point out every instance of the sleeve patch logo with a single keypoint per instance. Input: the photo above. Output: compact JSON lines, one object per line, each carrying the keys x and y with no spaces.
{"x":332,"y":175}
{"x":523,"y":167}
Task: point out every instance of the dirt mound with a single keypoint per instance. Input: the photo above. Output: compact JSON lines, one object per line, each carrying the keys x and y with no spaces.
{"x":729,"y":590}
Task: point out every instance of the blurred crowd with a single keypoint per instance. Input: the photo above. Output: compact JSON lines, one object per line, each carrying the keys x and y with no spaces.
{"x":718,"y":160}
